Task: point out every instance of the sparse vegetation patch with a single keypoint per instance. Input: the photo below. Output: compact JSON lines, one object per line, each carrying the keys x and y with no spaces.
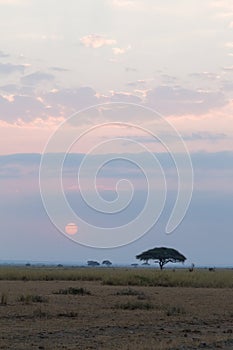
{"x":32,"y":298}
{"x":134,"y":305}
{"x":73,"y":291}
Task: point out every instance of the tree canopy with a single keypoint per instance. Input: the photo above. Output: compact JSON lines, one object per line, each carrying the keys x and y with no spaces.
{"x":162,"y":256}
{"x":93,"y":263}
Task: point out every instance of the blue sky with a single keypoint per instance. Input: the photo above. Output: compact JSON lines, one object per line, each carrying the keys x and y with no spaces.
{"x":174,"y":58}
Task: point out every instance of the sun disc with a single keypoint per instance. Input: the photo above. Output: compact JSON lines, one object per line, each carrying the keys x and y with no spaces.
{"x":71,"y":228}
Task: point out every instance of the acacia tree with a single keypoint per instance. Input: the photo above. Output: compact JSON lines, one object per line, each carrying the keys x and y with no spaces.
{"x":162,"y":256}
{"x":93,"y":263}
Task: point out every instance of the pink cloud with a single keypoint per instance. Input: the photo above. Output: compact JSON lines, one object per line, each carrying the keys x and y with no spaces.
{"x":120,"y":50}
{"x":96,"y":41}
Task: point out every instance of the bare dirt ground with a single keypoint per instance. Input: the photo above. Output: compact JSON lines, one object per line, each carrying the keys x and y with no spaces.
{"x":113,"y":317}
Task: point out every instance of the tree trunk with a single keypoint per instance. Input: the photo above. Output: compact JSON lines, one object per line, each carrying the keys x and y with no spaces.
{"x":161,"y":265}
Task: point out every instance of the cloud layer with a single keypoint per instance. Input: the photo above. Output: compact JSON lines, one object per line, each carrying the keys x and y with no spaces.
{"x":9,"y":68}
{"x":96,"y":41}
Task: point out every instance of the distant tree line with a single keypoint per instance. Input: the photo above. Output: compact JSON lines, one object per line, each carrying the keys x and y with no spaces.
{"x":93,"y":263}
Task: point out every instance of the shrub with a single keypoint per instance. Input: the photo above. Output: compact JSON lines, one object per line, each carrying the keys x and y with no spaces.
{"x":27,"y":299}
{"x":175,"y":311}
{"x":130,"y":291}
{"x":73,"y":291}
{"x":4,"y":299}
{"x":134,"y":306}
{"x":71,"y":314}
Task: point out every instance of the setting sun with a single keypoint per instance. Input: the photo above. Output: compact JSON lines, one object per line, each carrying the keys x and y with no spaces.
{"x":71,"y":229}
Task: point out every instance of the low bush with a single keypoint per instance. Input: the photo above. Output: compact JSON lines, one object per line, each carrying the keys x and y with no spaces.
{"x":73,"y":291}
{"x":4,"y":299}
{"x":32,"y":298}
{"x":134,"y":305}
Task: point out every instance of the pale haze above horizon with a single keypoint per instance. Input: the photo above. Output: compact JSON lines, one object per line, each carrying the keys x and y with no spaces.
{"x":136,"y":61}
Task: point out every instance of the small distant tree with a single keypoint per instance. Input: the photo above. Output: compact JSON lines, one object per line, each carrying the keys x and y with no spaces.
{"x":93,"y":263}
{"x":106,"y":263}
{"x":162,"y":256}
{"x":212,"y":269}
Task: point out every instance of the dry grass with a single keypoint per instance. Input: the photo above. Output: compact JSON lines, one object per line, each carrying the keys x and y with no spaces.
{"x":199,"y":278}
{"x":113,"y":316}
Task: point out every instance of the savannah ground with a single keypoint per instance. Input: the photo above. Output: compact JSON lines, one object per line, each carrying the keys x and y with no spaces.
{"x":115,"y":308}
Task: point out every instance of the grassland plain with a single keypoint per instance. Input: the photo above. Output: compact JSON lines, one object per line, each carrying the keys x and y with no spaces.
{"x":115,"y":308}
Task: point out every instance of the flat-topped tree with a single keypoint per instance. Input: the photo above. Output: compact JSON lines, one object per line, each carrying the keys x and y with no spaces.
{"x":106,"y":263}
{"x":93,"y":263}
{"x":162,"y":256}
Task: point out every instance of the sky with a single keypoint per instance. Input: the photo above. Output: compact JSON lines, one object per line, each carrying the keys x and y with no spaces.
{"x":117,"y":116}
